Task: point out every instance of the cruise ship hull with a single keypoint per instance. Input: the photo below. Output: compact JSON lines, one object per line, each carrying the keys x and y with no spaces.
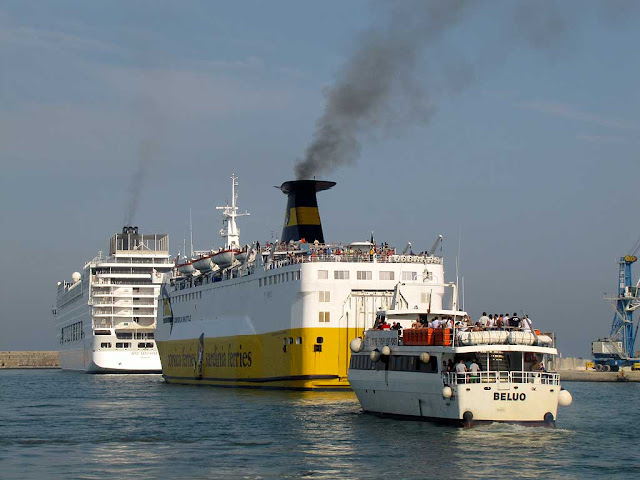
{"x":85,"y":360}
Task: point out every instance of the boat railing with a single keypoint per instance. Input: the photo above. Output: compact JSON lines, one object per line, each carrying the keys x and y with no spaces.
{"x":515,"y":376}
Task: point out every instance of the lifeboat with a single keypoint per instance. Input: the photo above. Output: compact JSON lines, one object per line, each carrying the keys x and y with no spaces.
{"x":521,"y":338}
{"x":224,"y":258}
{"x":186,"y":268}
{"x":204,"y":264}
{"x":242,"y":255}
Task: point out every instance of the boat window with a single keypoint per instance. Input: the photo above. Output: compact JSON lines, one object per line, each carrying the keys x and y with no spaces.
{"x":298,"y":340}
{"x":364,"y":275}
{"x":385,"y":275}
{"x":324,"y":317}
{"x":290,"y":340}
{"x":123,"y":345}
{"x":124,"y":336}
{"x":341,"y":275}
{"x":410,"y":276}
{"x":319,"y":340}
{"x":323,"y":274}
{"x":324,"y":296}
{"x":287,"y":276}
{"x":105,"y":345}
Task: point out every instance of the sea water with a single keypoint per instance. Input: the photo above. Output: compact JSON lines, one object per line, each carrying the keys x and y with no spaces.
{"x":56,"y":424}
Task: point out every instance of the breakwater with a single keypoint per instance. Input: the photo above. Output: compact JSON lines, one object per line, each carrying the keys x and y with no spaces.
{"x":29,"y":359}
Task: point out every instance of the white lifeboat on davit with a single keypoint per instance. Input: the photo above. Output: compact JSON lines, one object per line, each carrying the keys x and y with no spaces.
{"x":224,"y":258}
{"x":204,"y":263}
{"x":186,"y":268}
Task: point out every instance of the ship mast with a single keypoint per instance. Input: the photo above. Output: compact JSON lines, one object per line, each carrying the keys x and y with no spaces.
{"x":230,"y":230}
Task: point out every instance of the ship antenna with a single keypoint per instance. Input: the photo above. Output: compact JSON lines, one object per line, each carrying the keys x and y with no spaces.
{"x":191,"y":232}
{"x":230,"y":229}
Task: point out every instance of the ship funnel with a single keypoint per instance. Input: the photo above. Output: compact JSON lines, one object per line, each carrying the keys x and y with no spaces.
{"x":302,"y":219}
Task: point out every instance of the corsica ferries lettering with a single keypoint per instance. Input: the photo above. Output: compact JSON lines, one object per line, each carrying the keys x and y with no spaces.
{"x":218,"y":358}
{"x":228,"y":358}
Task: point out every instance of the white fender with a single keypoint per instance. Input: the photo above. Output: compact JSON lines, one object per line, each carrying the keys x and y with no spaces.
{"x":564,"y":398}
{"x":447,"y":392}
{"x":374,"y":355}
{"x":425,"y":357}
{"x":356,"y":345}
{"x":386,"y":351}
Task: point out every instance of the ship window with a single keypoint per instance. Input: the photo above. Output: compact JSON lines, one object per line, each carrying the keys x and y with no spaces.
{"x":105,"y":345}
{"x":319,"y":340}
{"x":323,"y":274}
{"x":323,"y":317}
{"x":150,"y":335}
{"x":385,"y":275}
{"x":410,"y":276}
{"x":341,"y":275}
{"x":142,"y":345}
{"x":124,"y":336}
{"x":324,"y":296}
{"x":290,"y":340}
{"x":287,"y":276}
{"x":364,"y":275}
{"x":123,"y":345}
{"x":298,"y":340}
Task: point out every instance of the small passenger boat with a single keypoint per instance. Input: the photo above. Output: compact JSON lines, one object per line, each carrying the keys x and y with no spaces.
{"x":409,"y":372}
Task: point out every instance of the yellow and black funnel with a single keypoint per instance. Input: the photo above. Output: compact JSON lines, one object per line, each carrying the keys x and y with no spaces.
{"x":302,"y":220}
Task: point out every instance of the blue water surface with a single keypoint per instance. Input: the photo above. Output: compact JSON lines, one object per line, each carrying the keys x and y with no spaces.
{"x":55,"y":424}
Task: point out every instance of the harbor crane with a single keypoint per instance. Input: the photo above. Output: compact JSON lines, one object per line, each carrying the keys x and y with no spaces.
{"x":618,"y":350}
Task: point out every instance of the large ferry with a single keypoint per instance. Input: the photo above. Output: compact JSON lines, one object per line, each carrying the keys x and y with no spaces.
{"x":461,"y":374}
{"x":106,"y":316}
{"x":281,"y":315}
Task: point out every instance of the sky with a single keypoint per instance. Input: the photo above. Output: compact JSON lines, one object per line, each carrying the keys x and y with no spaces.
{"x":514,"y":133}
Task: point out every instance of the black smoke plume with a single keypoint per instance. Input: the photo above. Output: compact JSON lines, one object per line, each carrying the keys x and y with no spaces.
{"x":378,"y":88}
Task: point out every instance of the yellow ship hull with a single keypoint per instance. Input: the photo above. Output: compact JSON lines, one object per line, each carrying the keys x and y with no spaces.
{"x":298,"y":359}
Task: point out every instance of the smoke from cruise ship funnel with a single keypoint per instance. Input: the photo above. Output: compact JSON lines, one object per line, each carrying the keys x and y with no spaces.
{"x":376,"y":87}
{"x":151,"y":125}
{"x":400,"y":66}
{"x":302,"y":219}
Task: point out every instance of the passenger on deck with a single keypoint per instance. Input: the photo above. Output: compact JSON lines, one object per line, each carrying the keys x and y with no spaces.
{"x":484,"y":320}
{"x":436,"y":322}
{"x":526,"y":323}
{"x":505,"y":320}
{"x":461,"y":370}
{"x":448,"y":323}
{"x":514,"y":321}
{"x":450,"y":366}
{"x":474,"y":369}
{"x":491,"y":324}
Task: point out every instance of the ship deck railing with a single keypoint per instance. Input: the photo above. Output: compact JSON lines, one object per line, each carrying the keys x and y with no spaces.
{"x":353,"y":258}
{"x":502,"y":377}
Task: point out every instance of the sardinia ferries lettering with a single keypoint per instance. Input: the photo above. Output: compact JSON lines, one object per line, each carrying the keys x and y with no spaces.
{"x":183,"y":359}
{"x":510,"y":396}
{"x":228,"y":357}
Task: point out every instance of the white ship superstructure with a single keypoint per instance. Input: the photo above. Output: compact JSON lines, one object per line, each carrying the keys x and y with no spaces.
{"x":282,"y":315}
{"x":106,"y":316}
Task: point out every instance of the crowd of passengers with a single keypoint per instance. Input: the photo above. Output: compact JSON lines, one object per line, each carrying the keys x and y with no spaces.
{"x":486,"y":322}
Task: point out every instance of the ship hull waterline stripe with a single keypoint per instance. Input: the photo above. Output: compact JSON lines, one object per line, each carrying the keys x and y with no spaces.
{"x":459,"y":422}
{"x":286,"y":378}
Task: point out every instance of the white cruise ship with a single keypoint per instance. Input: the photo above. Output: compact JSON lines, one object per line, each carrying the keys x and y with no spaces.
{"x":282,"y":315}
{"x":106,"y":315}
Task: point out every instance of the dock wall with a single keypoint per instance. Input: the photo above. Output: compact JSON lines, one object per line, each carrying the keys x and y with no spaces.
{"x":29,"y":359}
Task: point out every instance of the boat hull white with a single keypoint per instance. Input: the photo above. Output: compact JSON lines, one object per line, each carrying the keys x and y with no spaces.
{"x":402,"y":395}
